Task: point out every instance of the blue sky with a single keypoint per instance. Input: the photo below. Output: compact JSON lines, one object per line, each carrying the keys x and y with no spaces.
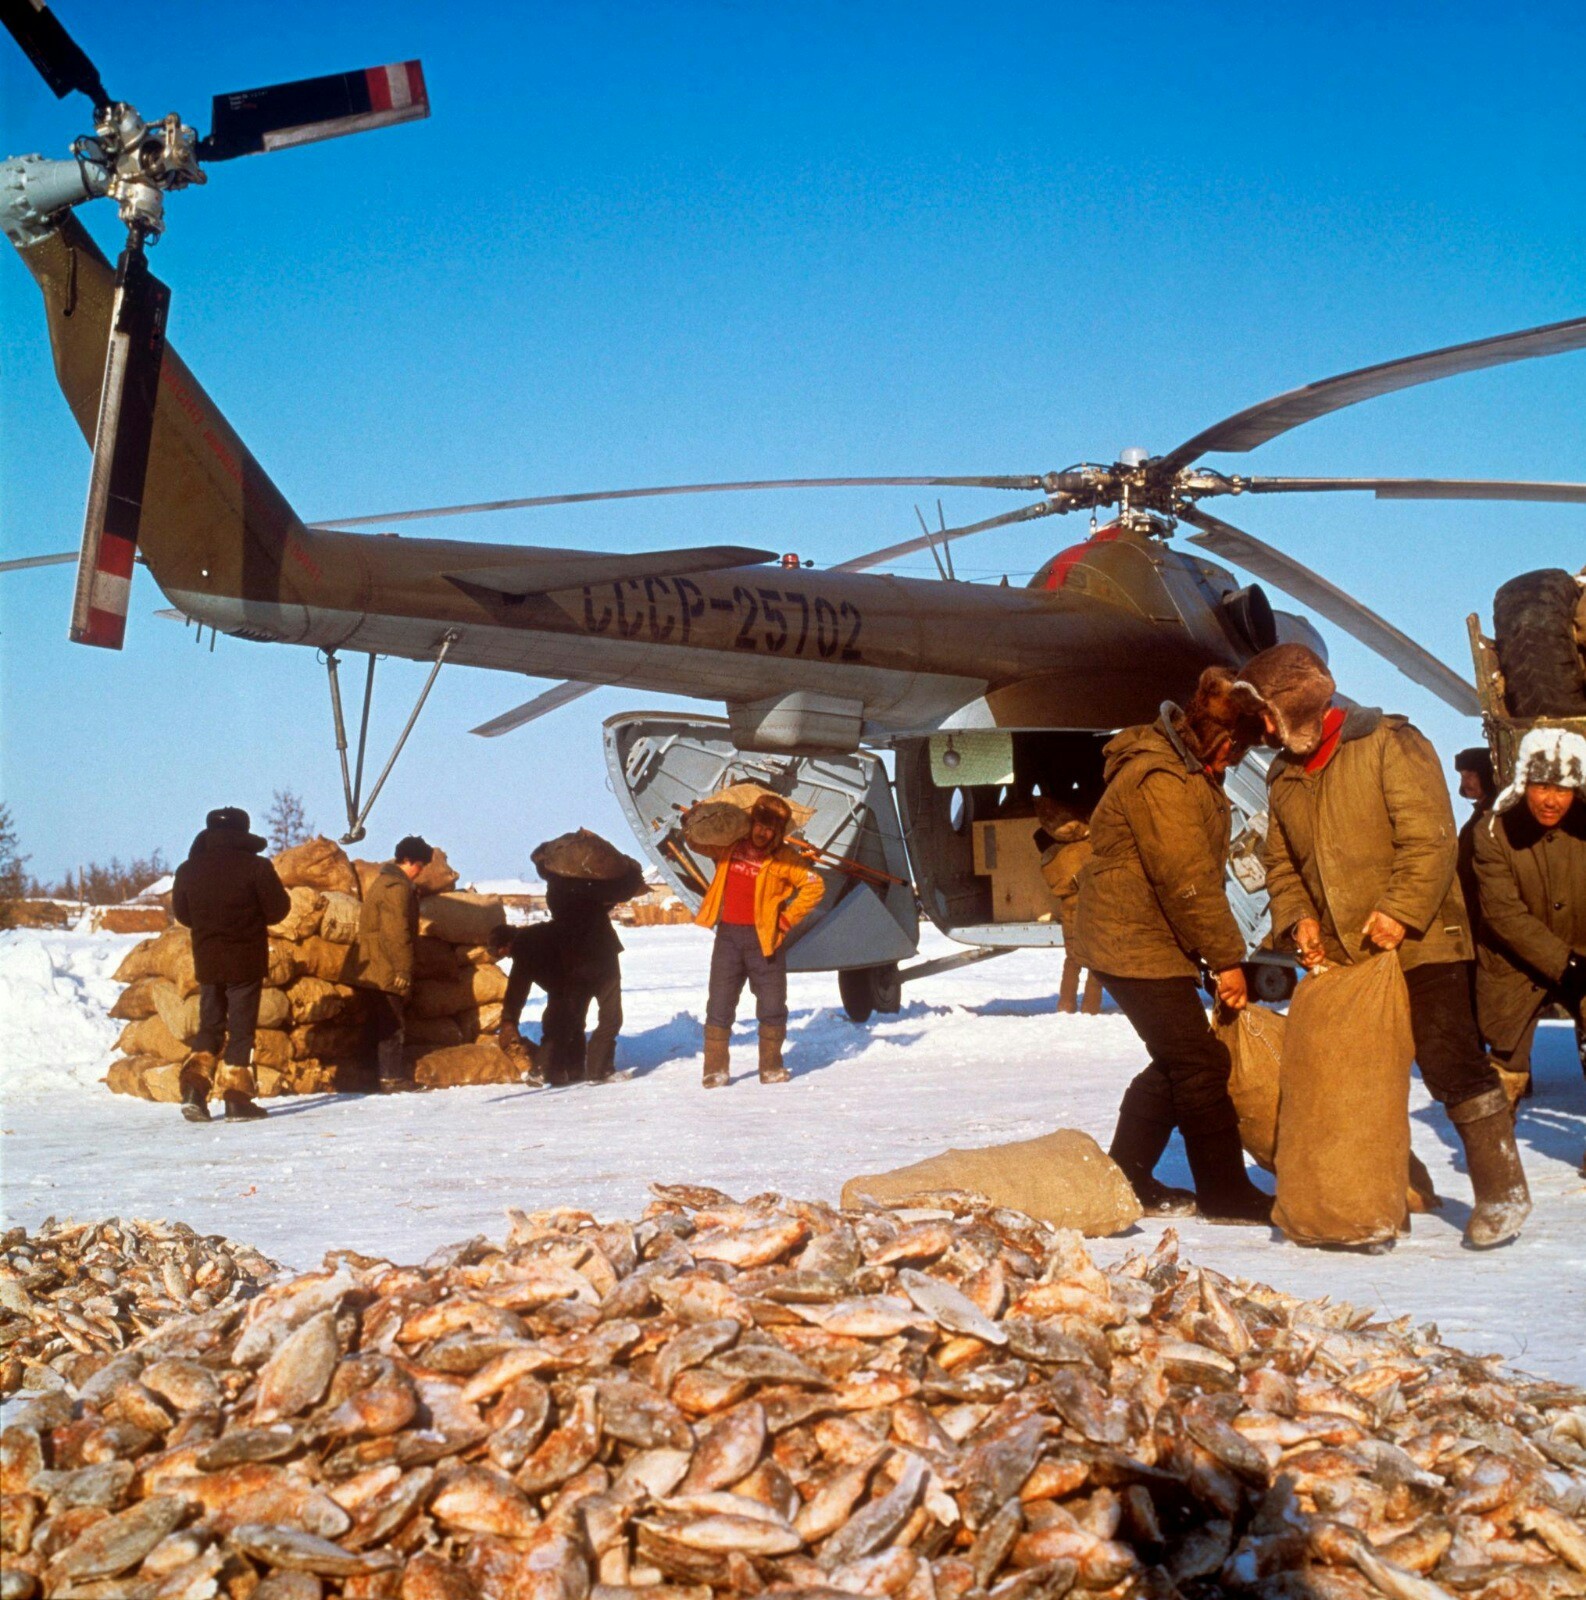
{"x":669,"y":242}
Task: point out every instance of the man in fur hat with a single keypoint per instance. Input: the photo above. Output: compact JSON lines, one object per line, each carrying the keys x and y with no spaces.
{"x":1360,"y":858}
{"x":1531,"y":876}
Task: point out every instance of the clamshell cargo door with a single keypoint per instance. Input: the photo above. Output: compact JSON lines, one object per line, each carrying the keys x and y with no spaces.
{"x":661,"y":765}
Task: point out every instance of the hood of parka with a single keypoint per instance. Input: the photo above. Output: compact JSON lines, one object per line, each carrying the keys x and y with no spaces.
{"x":1157,"y":739}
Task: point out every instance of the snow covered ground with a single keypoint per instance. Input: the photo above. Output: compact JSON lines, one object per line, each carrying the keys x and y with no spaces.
{"x":975,"y":1056}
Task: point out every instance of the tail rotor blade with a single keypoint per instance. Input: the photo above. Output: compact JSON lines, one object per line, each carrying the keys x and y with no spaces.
{"x":59,"y":559}
{"x":284,"y":114}
{"x":52,"y":50}
{"x":121,"y":453}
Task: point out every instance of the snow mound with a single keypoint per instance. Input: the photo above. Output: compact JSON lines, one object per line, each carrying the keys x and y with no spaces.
{"x":56,"y":991}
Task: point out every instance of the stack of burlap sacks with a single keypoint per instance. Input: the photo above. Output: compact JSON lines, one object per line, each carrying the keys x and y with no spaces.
{"x":313,"y":1021}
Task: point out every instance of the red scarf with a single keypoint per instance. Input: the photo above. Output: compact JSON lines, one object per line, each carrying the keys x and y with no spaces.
{"x":1332,"y":726}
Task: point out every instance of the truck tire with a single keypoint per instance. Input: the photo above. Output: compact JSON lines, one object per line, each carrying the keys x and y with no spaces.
{"x":1533,"y":619}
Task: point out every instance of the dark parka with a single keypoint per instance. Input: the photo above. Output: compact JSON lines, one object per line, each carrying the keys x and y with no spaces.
{"x":388,"y":926}
{"x":1153,"y":902}
{"x":1532,"y":883}
{"x":1372,"y":831}
{"x":228,"y":894}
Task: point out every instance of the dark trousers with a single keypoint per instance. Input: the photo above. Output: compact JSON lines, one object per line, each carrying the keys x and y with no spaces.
{"x":1448,"y":1048}
{"x":736,"y":959}
{"x":569,"y":1056}
{"x":229,"y":1011}
{"x":1186,"y":1084}
{"x":388,"y":1023}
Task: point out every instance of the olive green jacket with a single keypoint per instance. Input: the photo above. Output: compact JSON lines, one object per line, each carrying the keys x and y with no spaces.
{"x":1532,"y":884}
{"x":387,"y":933}
{"x":1153,"y":901}
{"x":1372,"y":831}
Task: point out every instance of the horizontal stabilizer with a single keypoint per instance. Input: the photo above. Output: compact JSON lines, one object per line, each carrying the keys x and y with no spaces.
{"x":548,"y":571}
{"x":560,"y":695}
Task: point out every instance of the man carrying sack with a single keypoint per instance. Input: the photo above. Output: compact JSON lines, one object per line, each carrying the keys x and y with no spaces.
{"x":1360,"y":859}
{"x":763,"y":888}
{"x":1530,"y":858}
{"x":1153,"y":913}
{"x":388,"y":930}
{"x":228,"y":894}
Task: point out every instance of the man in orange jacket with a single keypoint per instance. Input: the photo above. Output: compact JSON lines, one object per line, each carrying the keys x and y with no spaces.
{"x":762,"y":889}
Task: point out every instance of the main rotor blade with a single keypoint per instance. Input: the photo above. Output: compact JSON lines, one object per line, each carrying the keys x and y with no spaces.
{"x":1426,"y":488}
{"x":1026,"y":482}
{"x":59,"y":559}
{"x":285,"y":114}
{"x":545,"y":571}
{"x":52,"y":50}
{"x":1256,"y":424}
{"x":1415,"y":662}
{"x":562,"y":694}
{"x":127,"y":399}
{"x":876,"y":558}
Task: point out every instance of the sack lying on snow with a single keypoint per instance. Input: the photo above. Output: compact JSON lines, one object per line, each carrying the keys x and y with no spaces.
{"x":1064,"y":1178}
{"x":1254,"y":1038}
{"x":465,"y":1063}
{"x":461,"y":919}
{"x":581,"y":855}
{"x":1343,"y":1149}
{"x":317,"y":864}
{"x":302,"y":921}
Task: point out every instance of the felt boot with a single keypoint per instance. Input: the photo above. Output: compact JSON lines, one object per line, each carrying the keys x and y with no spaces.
{"x":1223,"y":1190}
{"x":1137,"y":1146}
{"x":716,"y":1042}
{"x":1503,"y":1201}
{"x":1068,"y":988}
{"x":243,"y":1108}
{"x":196,"y":1075}
{"x":771,"y":1068}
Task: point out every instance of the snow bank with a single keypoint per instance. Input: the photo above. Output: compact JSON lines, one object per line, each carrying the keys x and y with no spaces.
{"x":55,"y":993}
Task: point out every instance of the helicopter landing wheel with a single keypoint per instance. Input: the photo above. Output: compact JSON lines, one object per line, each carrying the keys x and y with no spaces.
{"x":867,"y":990}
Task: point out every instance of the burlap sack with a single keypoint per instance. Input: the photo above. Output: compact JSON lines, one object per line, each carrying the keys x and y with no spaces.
{"x":275,"y":1010}
{"x":339,"y":924}
{"x":747,"y":795}
{"x":317,"y":864}
{"x":716,"y":825}
{"x":133,"y":919}
{"x":478,"y":1021}
{"x":136,"y":963}
{"x":447,"y":997}
{"x":438,"y":876}
{"x":162,"y":1082}
{"x":314,"y":1000}
{"x":328,"y":1041}
{"x":319,"y":958}
{"x":302,"y":921}
{"x":169,"y":955}
{"x":136,"y":1001}
{"x":178,"y":1013}
{"x":126,"y":1076}
{"x":272,"y":1047}
{"x":283,"y":966}
{"x":465,"y":1063}
{"x":1343,"y":1149}
{"x":151,"y":1037}
{"x":435,"y":1033}
{"x":1255,"y":1047}
{"x":1064,"y":1178}
{"x":434,"y":958}
{"x":366,"y":872}
{"x":580,"y":855}
{"x":465,"y":919}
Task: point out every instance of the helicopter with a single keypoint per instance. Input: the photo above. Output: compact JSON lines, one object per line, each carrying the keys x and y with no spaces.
{"x":987,"y":698}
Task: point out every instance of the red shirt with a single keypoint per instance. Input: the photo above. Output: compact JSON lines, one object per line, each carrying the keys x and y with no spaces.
{"x":1332,"y":725}
{"x":743,"y":873}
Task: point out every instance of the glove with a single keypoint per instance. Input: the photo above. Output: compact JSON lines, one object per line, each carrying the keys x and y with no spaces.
{"x":1572,"y":982}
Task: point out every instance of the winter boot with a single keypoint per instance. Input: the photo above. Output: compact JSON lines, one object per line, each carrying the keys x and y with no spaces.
{"x":1137,"y":1146}
{"x":1091,"y":1005}
{"x":1503,"y":1201}
{"x":771,"y":1068}
{"x":1068,"y":989}
{"x":716,"y":1042}
{"x":1515,"y":1086}
{"x":243,"y":1108}
{"x":193,"y":1081}
{"x":1223,"y":1190}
